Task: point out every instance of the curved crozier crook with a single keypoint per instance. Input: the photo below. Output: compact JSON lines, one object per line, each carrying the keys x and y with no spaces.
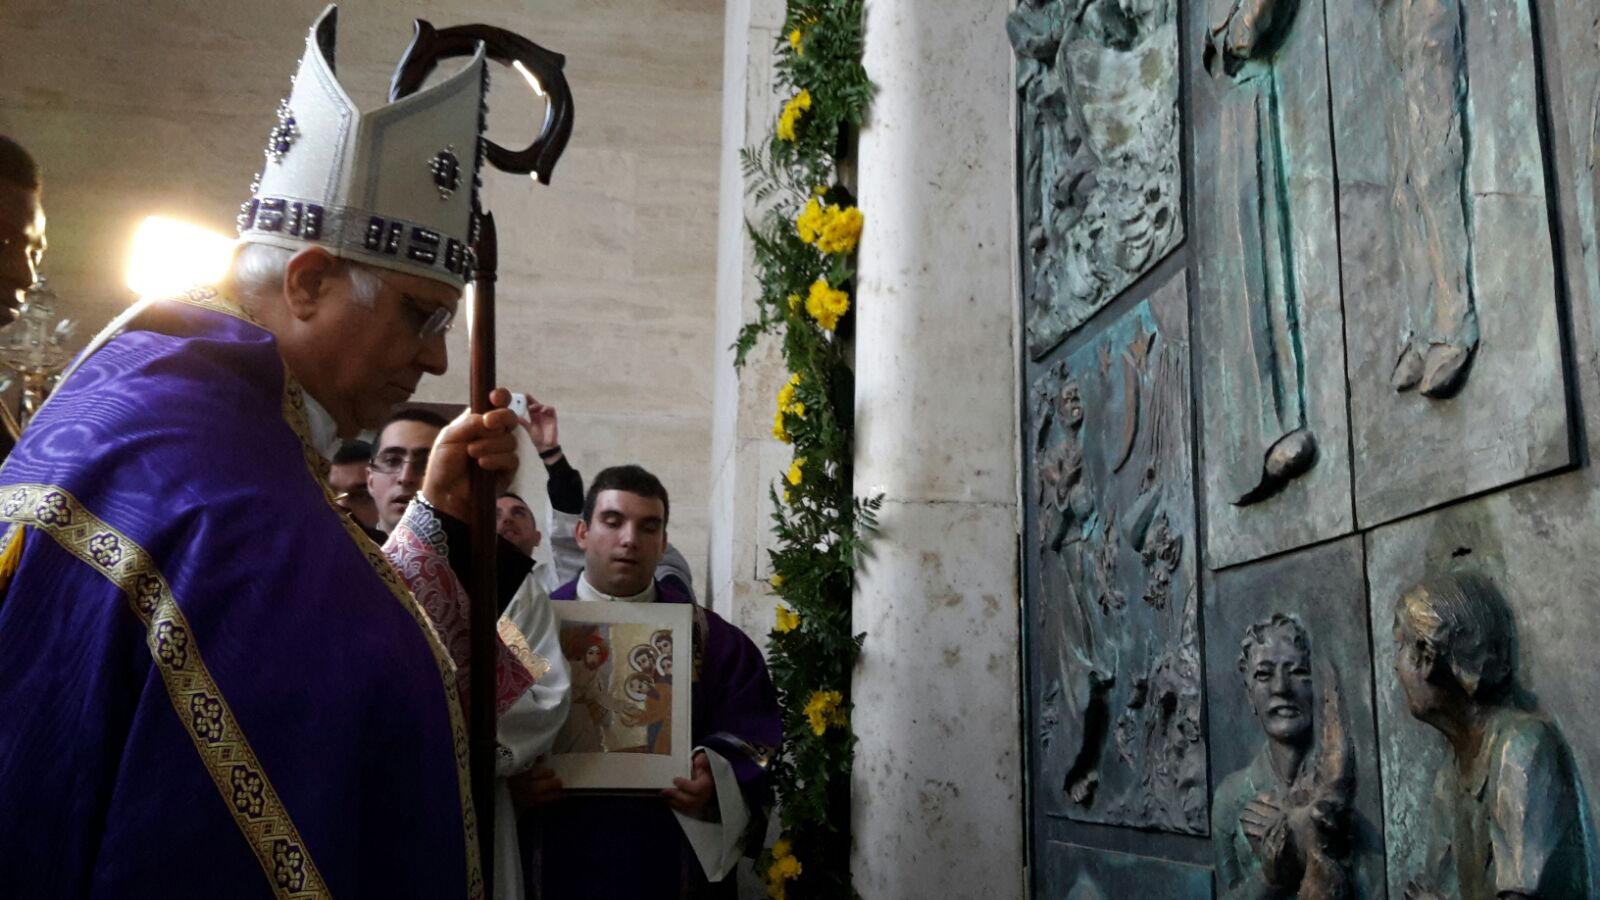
{"x":430,"y":45}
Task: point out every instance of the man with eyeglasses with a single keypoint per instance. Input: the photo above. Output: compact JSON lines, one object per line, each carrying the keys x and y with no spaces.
{"x":398,"y":463}
{"x":193,"y":700}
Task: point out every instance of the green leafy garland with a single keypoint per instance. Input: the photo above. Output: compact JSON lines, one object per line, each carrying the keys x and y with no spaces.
{"x":804,"y":246}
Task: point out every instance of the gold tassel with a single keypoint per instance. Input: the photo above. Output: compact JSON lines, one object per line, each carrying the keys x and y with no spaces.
{"x":11,"y":559}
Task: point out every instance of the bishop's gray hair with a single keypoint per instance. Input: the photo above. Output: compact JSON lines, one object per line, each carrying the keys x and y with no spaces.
{"x":1256,"y":635}
{"x":258,"y":273}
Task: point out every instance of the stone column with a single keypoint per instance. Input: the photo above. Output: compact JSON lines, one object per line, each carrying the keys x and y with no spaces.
{"x":745,"y":458}
{"x":937,"y":792}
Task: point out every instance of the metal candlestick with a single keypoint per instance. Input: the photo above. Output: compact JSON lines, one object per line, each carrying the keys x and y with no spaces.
{"x":35,"y":348}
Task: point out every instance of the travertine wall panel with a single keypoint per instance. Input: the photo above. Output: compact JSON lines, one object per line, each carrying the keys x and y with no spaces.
{"x":938,"y":774}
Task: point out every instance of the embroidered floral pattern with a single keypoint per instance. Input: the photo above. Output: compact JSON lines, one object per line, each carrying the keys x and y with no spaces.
{"x":146,"y":593}
{"x":427,"y":571}
{"x":172,"y":644}
{"x":221,"y":744}
{"x":106,"y":549}
{"x":249,"y":792}
{"x":52,"y":509}
{"x":423,"y":521}
{"x":206,"y":717}
{"x":289,"y":865}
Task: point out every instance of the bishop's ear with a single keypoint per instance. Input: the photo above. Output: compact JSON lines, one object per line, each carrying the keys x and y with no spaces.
{"x":307,"y":279}
{"x":580,"y":533}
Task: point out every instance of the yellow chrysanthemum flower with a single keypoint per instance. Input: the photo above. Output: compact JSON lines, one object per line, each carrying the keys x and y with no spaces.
{"x":784,"y":868}
{"x":823,"y":709}
{"x":785,"y":496}
{"x":796,"y":470}
{"x":794,"y":302}
{"x":776,"y":581}
{"x":787,"y":404}
{"x":795,"y":44}
{"x":826,"y":305}
{"x":778,"y":431}
{"x":811,"y":221}
{"x":787,"y":620}
{"x":797,"y":104}
{"x":840,"y":231}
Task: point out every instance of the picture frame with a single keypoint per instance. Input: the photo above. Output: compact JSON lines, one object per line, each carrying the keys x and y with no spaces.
{"x":628,"y":726}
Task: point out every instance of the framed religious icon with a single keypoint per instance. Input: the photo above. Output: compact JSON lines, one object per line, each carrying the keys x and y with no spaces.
{"x":628,"y":727}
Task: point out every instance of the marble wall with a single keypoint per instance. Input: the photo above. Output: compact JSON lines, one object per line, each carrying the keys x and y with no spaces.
{"x":938,"y":777}
{"x":607,"y":276}
{"x":745,"y":457}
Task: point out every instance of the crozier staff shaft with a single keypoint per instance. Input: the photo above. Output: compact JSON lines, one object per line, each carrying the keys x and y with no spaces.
{"x":483,"y":591}
{"x":543,"y":71}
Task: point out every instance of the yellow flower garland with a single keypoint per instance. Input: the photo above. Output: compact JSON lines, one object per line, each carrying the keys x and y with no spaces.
{"x":797,"y":104}
{"x":823,"y":710}
{"x":826,"y":305}
{"x":784,"y":868}
{"x":788,"y":620}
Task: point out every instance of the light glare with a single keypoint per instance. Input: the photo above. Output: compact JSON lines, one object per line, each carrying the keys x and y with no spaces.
{"x":533,"y":80}
{"x":170,"y":256}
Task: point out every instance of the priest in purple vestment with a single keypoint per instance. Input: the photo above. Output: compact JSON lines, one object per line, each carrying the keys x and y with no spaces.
{"x":685,"y":842}
{"x":214,"y":683}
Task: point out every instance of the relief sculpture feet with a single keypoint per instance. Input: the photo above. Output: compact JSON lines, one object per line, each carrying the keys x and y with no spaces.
{"x":1288,"y":458}
{"x":1439,"y":373}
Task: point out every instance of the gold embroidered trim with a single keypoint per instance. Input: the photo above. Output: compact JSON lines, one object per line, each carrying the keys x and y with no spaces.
{"x":294,"y":412}
{"x":209,"y":298}
{"x":517,"y":643}
{"x":199,"y":703}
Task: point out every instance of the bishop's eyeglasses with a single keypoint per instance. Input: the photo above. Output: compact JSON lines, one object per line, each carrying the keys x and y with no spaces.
{"x":431,"y":321}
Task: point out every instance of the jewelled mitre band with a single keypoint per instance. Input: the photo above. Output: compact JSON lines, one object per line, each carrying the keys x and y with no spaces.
{"x":393,"y":187}
{"x":358,"y":235}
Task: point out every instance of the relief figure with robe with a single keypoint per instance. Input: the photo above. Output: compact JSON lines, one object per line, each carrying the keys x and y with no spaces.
{"x":1431,"y":207}
{"x":1507,"y":816}
{"x":1286,"y":825}
{"x":1256,"y":258}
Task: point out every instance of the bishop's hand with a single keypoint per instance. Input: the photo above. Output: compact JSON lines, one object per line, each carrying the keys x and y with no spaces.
{"x":485,"y":439}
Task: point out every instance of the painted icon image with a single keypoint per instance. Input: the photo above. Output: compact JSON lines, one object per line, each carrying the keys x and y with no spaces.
{"x":621,"y":688}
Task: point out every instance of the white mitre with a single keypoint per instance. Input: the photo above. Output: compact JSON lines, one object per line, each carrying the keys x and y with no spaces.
{"x":393,"y":187}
